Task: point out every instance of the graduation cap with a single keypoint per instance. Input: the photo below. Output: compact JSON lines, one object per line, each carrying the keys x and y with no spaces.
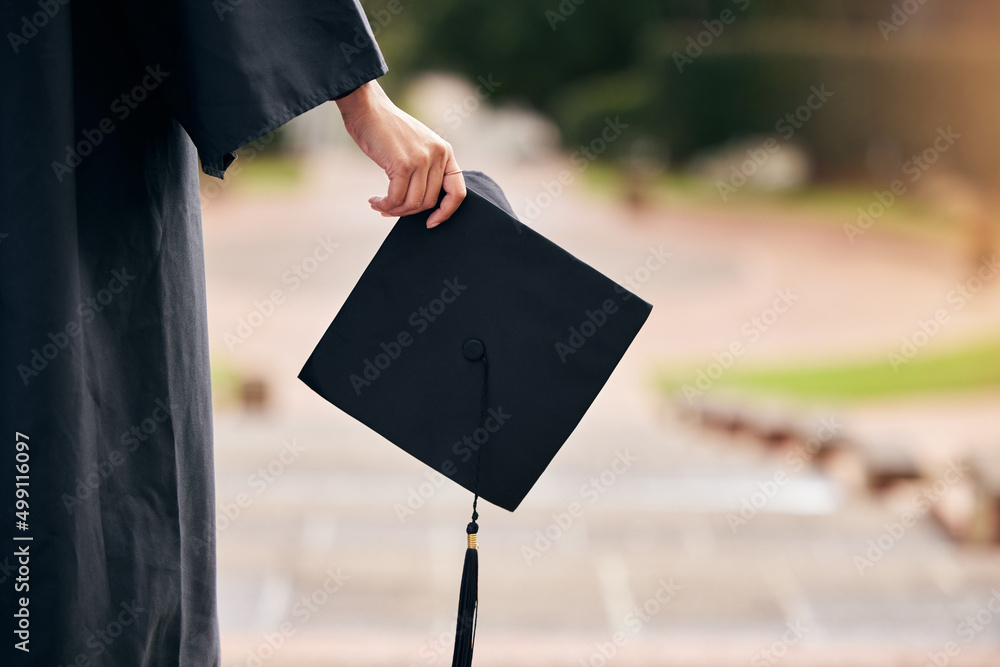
{"x":476,"y":346}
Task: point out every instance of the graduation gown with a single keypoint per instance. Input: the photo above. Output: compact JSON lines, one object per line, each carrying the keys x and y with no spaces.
{"x":106,"y":498}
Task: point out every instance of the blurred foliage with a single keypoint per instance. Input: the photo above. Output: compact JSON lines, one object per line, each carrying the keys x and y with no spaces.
{"x":581,"y":61}
{"x":275,"y":169}
{"x":227,"y":378}
{"x":682,"y":192}
{"x":970,"y":368}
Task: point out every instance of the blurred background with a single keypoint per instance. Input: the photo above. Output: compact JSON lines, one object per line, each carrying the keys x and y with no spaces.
{"x":797,"y":462}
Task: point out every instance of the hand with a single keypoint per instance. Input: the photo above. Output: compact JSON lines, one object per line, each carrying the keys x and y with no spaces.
{"x":414,"y":158}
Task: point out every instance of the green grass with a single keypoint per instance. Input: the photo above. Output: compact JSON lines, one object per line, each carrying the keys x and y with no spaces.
{"x":226,"y":380}
{"x":975,"y":367}
{"x":256,"y":173}
{"x":270,"y":171}
{"x":832,"y":203}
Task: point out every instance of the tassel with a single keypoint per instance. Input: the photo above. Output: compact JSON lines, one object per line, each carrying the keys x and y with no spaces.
{"x":468,"y":592}
{"x":468,"y":602}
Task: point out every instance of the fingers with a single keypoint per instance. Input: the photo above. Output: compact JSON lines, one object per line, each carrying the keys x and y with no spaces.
{"x":454,"y":187}
{"x":408,"y":200}
{"x":398,"y":185}
{"x":435,"y":181}
{"x":417,"y":166}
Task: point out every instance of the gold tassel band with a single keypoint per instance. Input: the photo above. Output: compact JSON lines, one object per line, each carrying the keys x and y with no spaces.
{"x":472,"y":541}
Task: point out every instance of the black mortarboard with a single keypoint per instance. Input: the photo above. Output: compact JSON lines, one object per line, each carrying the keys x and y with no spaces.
{"x":476,"y":346}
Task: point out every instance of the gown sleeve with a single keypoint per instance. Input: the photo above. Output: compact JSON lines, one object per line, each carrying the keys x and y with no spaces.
{"x":234,"y":70}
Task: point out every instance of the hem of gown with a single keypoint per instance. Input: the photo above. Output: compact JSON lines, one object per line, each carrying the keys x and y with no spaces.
{"x":219,"y":161}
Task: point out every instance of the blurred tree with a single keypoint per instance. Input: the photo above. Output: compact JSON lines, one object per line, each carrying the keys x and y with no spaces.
{"x":689,"y":74}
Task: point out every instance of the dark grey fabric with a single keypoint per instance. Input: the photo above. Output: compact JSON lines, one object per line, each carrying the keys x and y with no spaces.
{"x":102,"y":301}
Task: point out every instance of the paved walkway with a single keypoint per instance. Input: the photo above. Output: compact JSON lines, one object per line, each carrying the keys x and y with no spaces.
{"x":317,"y":555}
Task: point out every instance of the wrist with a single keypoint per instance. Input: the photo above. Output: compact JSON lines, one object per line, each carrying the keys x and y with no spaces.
{"x":361,"y":99}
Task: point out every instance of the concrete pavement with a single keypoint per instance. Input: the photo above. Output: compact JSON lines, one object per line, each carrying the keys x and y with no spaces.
{"x":335,"y":548}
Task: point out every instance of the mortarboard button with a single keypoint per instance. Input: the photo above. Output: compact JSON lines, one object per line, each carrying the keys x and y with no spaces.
{"x":473,"y":349}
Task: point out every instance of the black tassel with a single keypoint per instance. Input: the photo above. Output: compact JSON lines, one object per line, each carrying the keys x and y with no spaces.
{"x":468,"y":602}
{"x":468,"y":592}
